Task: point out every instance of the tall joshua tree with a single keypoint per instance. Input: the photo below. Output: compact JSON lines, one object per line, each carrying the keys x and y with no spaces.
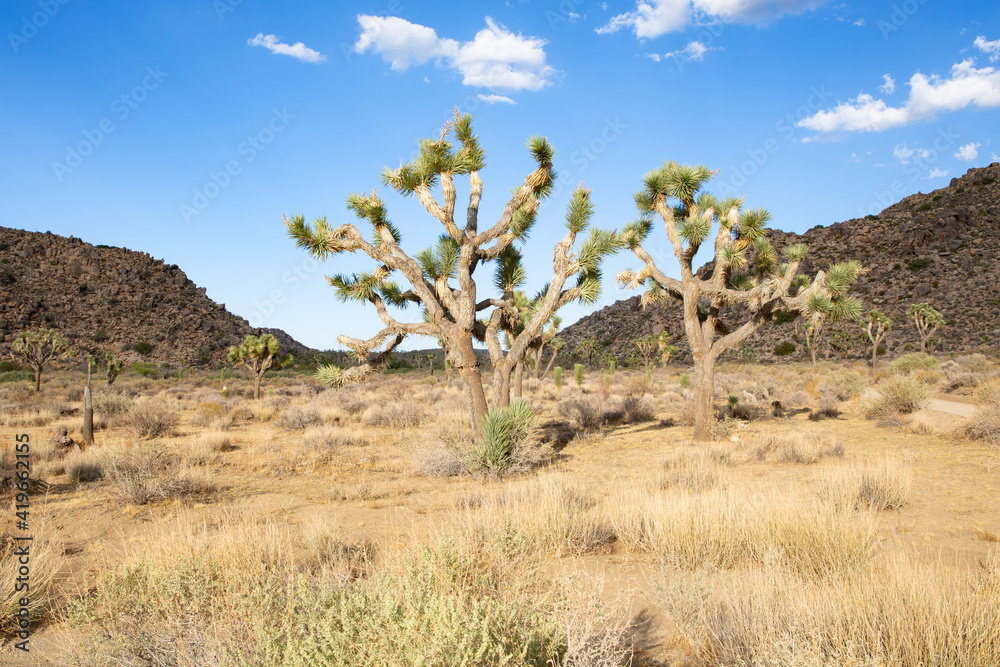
{"x":37,"y":349}
{"x":927,"y":320}
{"x":747,"y":280}
{"x":823,"y":310}
{"x":259,"y":355}
{"x":878,"y":328}
{"x":442,"y":277}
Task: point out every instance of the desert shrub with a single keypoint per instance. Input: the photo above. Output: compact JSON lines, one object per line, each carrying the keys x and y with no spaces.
{"x":111,"y":403}
{"x":396,"y":415}
{"x":985,"y":422}
{"x":784,"y":348}
{"x":17,"y":376}
{"x":910,"y":363}
{"x":147,"y":420}
{"x":692,"y":471}
{"x":146,"y":370}
{"x":899,"y":395}
{"x":141,"y":475}
{"x":47,"y":563}
{"x":876,"y":485}
{"x":457,"y":600}
{"x":142,"y":347}
{"x":210,"y":414}
{"x":585,"y":412}
{"x":506,"y":445}
{"x":637,"y":408}
{"x":82,"y":466}
{"x":842,"y":385}
{"x":298,"y":417}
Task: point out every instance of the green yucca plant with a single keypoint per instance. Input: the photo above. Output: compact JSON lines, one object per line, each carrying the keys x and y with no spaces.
{"x":503,"y":433}
{"x":578,"y":374}
{"x":557,"y":376}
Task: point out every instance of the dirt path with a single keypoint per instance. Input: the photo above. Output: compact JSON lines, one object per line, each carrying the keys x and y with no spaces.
{"x":951,"y":407}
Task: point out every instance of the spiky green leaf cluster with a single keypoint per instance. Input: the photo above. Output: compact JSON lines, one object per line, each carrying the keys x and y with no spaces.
{"x":927,"y":313}
{"x":541,"y":150}
{"x":841,"y":276}
{"x":637,"y":231}
{"x":879,"y":319}
{"x":253,"y":349}
{"x":367,"y":287}
{"x":579,"y":211}
{"x":440,"y":260}
{"x":695,"y":229}
{"x":329,"y":376}
{"x":796,"y":252}
{"x":509,"y":274}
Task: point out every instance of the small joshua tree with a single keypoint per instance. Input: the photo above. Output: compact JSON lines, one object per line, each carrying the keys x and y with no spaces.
{"x":665,"y":349}
{"x":824,"y":309}
{"x":746,"y":274}
{"x":259,"y":355}
{"x":587,"y":349}
{"x":877,"y":329}
{"x":646,"y":347}
{"x":38,"y":349}
{"x":927,"y":320}
{"x":113,"y":367}
{"x":557,"y":344}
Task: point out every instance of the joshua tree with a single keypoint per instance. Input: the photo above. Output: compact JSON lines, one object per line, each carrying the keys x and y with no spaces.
{"x":587,"y":349}
{"x":38,"y":349}
{"x":452,"y":312}
{"x":746,"y":273}
{"x":259,"y":355}
{"x":825,"y":309}
{"x":113,"y":367}
{"x":927,"y":320}
{"x":877,"y":329}
{"x":647,"y":348}
{"x":557,"y":344}
{"x":665,"y":349}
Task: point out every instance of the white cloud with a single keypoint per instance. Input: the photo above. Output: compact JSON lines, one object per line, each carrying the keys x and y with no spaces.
{"x":995,"y":157}
{"x":992,"y":49}
{"x":937,"y":172}
{"x":968,"y":152}
{"x":652,"y":18}
{"x":929,"y":95}
{"x":889,"y":87}
{"x":495,"y":58}
{"x":904,"y":153}
{"x":694,"y":51}
{"x":494,"y":99}
{"x":860,"y":23}
{"x":297,"y":50}
{"x":655,"y":57}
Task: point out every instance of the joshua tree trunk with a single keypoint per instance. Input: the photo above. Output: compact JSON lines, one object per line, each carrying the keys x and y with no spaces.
{"x":256,"y":386}
{"x":519,"y":380}
{"x":552,"y":361}
{"x":88,"y":415}
{"x":38,"y":379}
{"x":704,"y":396}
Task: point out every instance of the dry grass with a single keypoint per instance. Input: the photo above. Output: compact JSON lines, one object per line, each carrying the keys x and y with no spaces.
{"x":882,"y":484}
{"x":985,"y":422}
{"x":900,"y":614}
{"x":46,"y":571}
{"x":147,"y":419}
{"x":899,"y":395}
{"x":739,"y":523}
{"x":141,"y":475}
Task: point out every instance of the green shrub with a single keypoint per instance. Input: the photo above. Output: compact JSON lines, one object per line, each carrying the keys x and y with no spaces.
{"x":578,"y":374}
{"x":145,"y":369}
{"x":918,"y":264}
{"x":685,"y":380}
{"x":557,"y":376}
{"x":909,"y":363}
{"x":17,"y":376}
{"x":505,"y":437}
{"x":784,"y":348}
{"x":100,"y":336}
{"x":142,"y":347}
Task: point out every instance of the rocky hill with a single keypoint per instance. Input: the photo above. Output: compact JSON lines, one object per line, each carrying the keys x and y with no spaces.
{"x":942,"y":248}
{"x":113,"y":298}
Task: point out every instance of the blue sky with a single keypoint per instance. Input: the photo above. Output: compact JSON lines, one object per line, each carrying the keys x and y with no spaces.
{"x":186,"y":129}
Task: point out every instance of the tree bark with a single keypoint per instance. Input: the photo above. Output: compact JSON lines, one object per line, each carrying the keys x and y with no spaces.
{"x":552,"y":361}
{"x":88,"y":416}
{"x":519,"y":380}
{"x":256,"y":387}
{"x":469,"y":370}
{"x":38,"y":379}
{"x":704,"y":398}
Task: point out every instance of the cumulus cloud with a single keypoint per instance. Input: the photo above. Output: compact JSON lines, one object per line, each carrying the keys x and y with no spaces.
{"x":652,"y":18}
{"x":494,"y":99}
{"x":966,"y":86}
{"x":297,"y":50}
{"x":937,"y":172}
{"x":889,"y":85}
{"x":494,"y":58}
{"x":860,"y":23}
{"x":694,"y":51}
{"x":968,"y":152}
{"x":992,"y":49}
